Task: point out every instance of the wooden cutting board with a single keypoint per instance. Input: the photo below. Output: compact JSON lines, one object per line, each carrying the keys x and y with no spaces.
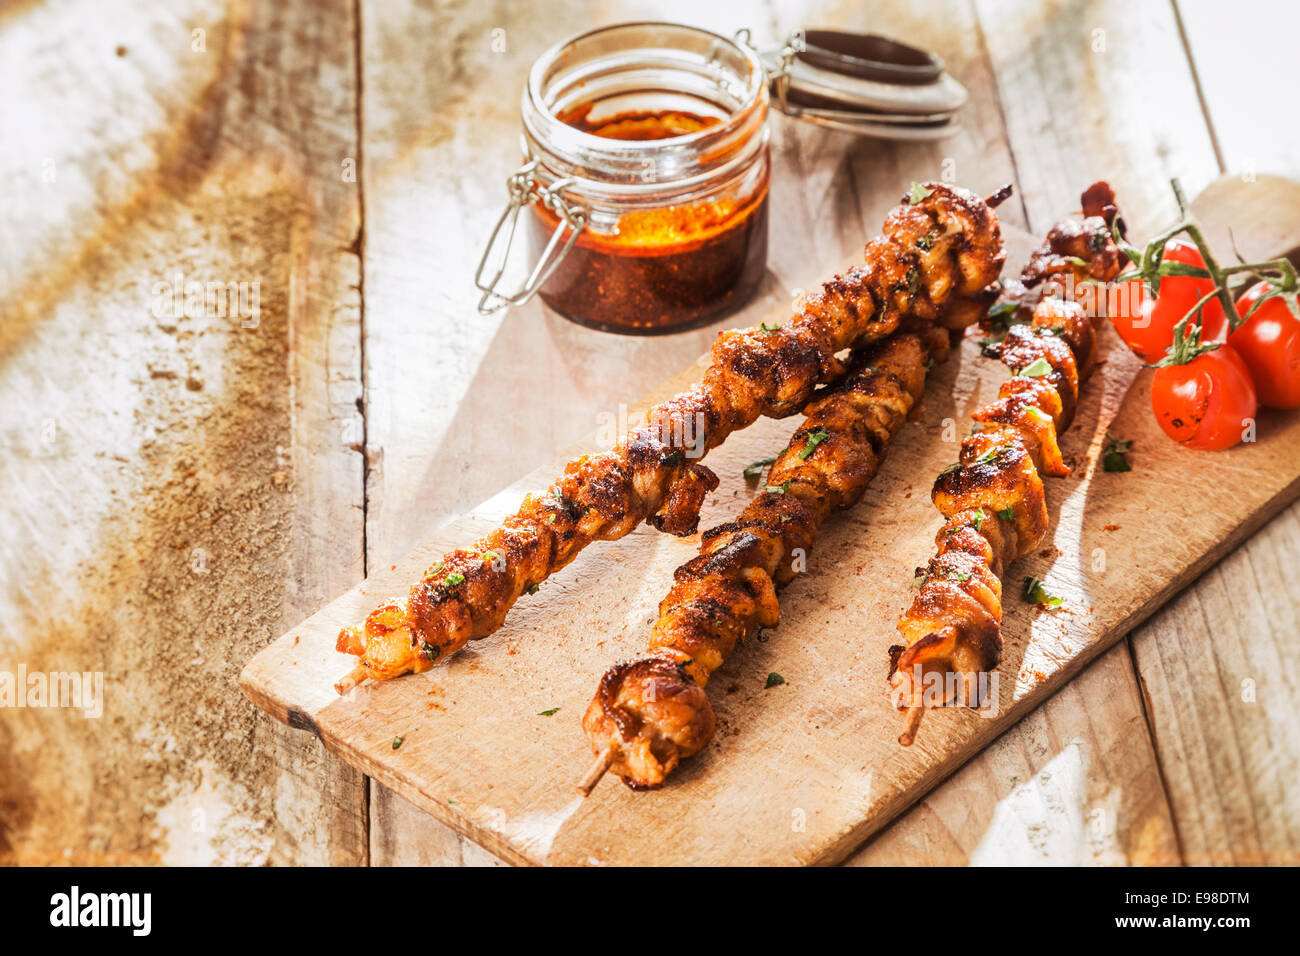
{"x":803,"y":772}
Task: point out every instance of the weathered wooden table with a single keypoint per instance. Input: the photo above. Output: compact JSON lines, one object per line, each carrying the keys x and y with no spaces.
{"x":180,"y":485}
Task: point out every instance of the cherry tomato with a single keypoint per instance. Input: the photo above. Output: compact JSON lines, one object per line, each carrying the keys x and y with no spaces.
{"x":1269,"y":344}
{"x":1205,"y":403}
{"x":1147,"y":325}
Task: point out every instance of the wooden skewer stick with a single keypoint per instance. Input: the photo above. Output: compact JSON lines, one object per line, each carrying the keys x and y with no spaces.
{"x":999,"y":197}
{"x":914,"y":715}
{"x":598,"y":768}
{"x":353,"y":677}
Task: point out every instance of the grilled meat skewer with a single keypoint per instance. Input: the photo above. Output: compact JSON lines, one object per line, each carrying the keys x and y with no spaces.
{"x":992,"y":500}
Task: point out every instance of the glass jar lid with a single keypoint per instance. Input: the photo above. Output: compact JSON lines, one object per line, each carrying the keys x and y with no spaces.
{"x":864,"y":84}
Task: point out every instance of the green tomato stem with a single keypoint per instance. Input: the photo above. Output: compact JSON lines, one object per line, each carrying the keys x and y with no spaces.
{"x":1217,"y":275}
{"x":1186,"y":347}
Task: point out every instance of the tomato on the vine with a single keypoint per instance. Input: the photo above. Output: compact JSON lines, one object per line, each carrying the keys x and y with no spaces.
{"x":1269,"y":343}
{"x":1147,"y":325}
{"x":1207,"y":402}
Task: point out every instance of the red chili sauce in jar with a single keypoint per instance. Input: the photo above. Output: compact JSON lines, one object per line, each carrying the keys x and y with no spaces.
{"x":662,"y":269}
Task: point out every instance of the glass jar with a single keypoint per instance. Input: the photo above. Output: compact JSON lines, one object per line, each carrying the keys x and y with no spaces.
{"x":644,"y":189}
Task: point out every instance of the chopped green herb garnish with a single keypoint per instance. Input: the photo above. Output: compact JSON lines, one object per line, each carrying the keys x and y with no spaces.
{"x":454,"y":579}
{"x":1007,"y":513}
{"x":1115,"y":455}
{"x":913,"y":281}
{"x":923,"y":576}
{"x":490,"y":556}
{"x":550,"y":519}
{"x":926,"y":242}
{"x":533,"y":588}
{"x":780,"y":489}
{"x":430,"y":652}
{"x":1038,"y":367}
{"x":773,"y":679}
{"x":548,"y":713}
{"x":917,"y":193}
{"x":435,"y":569}
{"x":755,"y":469}
{"x":990,"y":455}
{"x":397,"y":742}
{"x":979,"y":518}
{"x":1000,"y":314}
{"x":814,"y":439}
{"x":774,"y":328}
{"x":1038,"y":594}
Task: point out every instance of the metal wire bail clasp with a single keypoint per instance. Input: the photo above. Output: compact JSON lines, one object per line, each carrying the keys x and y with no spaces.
{"x":524,"y":188}
{"x":778,"y":73}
